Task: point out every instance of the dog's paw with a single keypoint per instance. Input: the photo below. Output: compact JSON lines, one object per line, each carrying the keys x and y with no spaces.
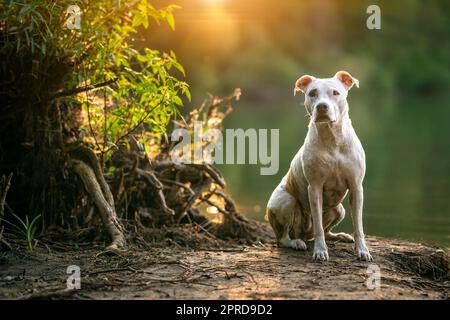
{"x":320,"y":254}
{"x":363,"y":254}
{"x":341,"y":236}
{"x":298,"y":244}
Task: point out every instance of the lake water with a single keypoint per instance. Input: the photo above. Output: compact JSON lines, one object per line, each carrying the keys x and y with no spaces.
{"x":407,"y":183}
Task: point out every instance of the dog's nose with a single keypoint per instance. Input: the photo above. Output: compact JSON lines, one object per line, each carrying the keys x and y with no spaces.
{"x":322,"y":107}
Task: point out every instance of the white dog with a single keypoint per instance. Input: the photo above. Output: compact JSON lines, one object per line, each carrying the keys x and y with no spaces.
{"x":307,"y":203}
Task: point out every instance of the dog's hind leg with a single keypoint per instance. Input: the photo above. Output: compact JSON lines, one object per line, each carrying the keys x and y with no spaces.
{"x":281,"y":212}
{"x":332,"y":218}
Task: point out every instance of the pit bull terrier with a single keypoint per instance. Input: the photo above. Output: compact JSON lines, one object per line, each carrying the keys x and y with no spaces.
{"x":307,"y":204}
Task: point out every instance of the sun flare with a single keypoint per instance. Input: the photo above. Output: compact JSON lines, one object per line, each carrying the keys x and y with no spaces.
{"x":213,"y":3}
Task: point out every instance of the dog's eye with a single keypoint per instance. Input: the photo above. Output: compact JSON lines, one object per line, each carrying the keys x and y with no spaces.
{"x":336,"y":93}
{"x":312,"y":93}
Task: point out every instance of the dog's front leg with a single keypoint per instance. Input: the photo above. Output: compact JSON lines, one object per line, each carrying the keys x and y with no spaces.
{"x":315,"y":200}
{"x":356,"y":203}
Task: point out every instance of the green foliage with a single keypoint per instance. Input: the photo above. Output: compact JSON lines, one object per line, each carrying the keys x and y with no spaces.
{"x":25,"y":228}
{"x":142,"y":94}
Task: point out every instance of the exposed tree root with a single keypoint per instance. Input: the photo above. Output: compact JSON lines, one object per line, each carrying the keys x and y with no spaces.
{"x":103,"y":200}
{"x":162,"y":193}
{"x":5,"y":184}
{"x":157,"y":186}
{"x":237,"y":226}
{"x":151,"y":192}
{"x":432,"y":264}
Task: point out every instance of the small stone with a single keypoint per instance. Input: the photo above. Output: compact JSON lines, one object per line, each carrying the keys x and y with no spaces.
{"x":9,"y":278}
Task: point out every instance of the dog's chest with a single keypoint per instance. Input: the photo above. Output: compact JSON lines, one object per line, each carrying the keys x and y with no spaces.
{"x":337,"y":172}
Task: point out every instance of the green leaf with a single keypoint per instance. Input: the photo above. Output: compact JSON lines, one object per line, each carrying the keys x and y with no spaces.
{"x":186,"y":92}
{"x":145,"y":21}
{"x":137,"y":20}
{"x":170,"y":20}
{"x":177,"y":100}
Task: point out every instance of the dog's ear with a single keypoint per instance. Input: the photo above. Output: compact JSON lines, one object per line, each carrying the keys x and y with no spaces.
{"x":347,"y":80}
{"x":302,"y":83}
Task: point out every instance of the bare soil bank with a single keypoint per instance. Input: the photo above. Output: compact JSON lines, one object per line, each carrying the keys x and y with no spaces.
{"x":408,"y":271}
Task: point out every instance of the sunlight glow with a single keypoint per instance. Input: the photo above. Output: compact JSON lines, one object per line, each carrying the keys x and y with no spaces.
{"x":212,"y":210}
{"x":213,"y":3}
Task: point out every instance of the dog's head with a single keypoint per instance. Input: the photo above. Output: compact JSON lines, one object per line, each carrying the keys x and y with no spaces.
{"x":326,"y":99}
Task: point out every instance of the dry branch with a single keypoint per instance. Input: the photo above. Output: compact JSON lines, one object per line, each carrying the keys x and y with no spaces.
{"x":83,"y":89}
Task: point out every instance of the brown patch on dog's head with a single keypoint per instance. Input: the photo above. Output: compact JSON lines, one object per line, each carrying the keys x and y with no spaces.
{"x":346,"y":79}
{"x":302,"y":83}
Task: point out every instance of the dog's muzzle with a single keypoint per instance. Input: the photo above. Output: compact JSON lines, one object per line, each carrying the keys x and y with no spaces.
{"x":322,"y":113}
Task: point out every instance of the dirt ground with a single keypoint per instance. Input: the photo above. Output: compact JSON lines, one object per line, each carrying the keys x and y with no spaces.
{"x":408,"y":271}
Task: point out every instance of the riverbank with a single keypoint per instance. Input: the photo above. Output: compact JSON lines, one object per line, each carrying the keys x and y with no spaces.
{"x":407,"y":271}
